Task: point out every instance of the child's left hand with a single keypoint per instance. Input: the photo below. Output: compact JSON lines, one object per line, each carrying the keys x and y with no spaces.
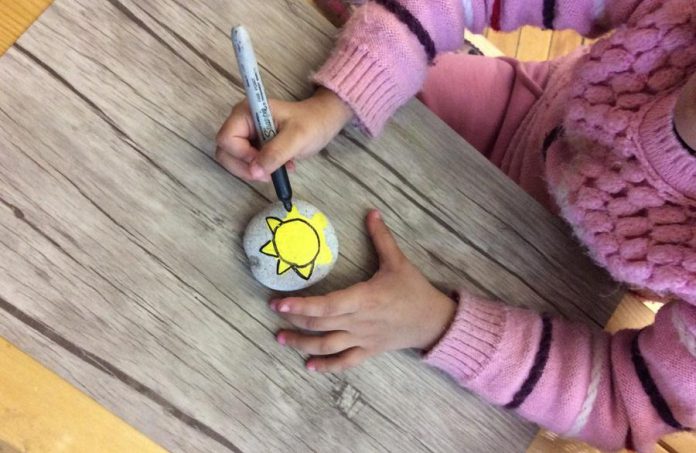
{"x":396,"y":309}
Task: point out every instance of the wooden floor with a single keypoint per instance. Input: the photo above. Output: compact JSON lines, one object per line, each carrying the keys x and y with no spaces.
{"x":15,"y":17}
{"x":533,"y":44}
{"x":41,"y":412}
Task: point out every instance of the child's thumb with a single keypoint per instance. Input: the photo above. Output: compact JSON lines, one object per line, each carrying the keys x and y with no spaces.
{"x":386,"y":247}
{"x":275,"y":153}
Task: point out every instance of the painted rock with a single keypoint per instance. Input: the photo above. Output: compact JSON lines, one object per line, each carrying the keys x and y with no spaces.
{"x":292,"y":250}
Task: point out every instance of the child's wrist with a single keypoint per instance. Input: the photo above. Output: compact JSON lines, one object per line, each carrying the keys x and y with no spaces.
{"x":334,"y":106}
{"x":442,"y":314}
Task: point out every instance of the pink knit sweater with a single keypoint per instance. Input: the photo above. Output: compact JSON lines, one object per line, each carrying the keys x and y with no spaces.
{"x":618,"y":175}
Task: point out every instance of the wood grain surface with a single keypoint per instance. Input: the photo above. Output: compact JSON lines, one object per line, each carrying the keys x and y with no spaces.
{"x":15,"y":17}
{"x":41,"y":412}
{"x":532,"y":44}
{"x":120,"y":244}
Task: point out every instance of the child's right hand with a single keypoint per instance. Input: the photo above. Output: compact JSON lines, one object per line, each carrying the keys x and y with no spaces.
{"x":304,"y":128}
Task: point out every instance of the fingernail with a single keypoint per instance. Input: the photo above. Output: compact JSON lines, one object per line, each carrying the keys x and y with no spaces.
{"x":311,"y":366}
{"x":377,"y":214}
{"x":281,"y":339}
{"x":284,"y":308}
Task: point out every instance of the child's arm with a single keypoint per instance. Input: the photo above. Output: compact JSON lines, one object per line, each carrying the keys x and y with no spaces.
{"x":627,"y":389}
{"x":380,"y":62}
{"x":630,"y":388}
{"x":383,"y":53}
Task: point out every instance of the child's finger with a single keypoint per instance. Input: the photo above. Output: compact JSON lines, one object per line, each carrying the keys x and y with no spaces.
{"x":237,"y":133}
{"x":236,"y":166}
{"x":316,"y":324}
{"x":328,"y":344}
{"x":341,"y":302}
{"x":387,"y":249}
{"x":284,"y":146}
{"x":238,"y":147}
{"x":339,"y":362}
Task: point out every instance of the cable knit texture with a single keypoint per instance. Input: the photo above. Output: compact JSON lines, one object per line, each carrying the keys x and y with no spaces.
{"x":629,"y":188}
{"x":598,"y":126}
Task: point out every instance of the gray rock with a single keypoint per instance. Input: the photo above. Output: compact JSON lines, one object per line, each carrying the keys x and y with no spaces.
{"x":290,"y":251}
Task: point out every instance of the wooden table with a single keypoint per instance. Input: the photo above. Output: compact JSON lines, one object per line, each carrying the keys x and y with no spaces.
{"x":122,"y":267}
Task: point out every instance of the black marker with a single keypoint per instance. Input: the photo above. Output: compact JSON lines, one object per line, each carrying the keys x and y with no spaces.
{"x":258,"y":104}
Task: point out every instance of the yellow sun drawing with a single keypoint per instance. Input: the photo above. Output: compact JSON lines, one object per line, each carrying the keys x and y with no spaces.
{"x":298,"y":242}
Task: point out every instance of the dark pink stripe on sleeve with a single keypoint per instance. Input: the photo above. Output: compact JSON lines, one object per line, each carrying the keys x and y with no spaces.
{"x":495,"y":15}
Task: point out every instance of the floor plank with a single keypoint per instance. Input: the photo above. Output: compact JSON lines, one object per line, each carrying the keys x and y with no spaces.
{"x":547,"y":442}
{"x":680,"y":442}
{"x":563,"y":42}
{"x":39,"y":411}
{"x":534,"y":44}
{"x":15,"y":17}
{"x":507,"y":43}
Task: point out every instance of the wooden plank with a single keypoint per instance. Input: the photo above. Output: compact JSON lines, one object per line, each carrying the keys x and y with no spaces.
{"x":15,"y":17}
{"x":45,"y":412}
{"x":534,"y":44}
{"x":680,"y":442}
{"x":563,"y":42}
{"x":631,"y":313}
{"x":547,"y":442}
{"x":68,"y":362}
{"x":41,"y":412}
{"x":120,"y":247}
{"x":507,"y":43}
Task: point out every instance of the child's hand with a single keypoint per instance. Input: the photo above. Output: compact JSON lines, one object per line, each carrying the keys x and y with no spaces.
{"x":396,"y":309}
{"x":304,"y":128}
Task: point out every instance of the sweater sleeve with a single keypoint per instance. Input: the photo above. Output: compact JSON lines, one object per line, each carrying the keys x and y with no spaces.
{"x":383,"y":52}
{"x":613,"y":391}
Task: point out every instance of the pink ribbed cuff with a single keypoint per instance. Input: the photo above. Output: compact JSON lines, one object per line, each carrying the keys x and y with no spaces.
{"x":360,"y":80}
{"x":471,"y":340}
